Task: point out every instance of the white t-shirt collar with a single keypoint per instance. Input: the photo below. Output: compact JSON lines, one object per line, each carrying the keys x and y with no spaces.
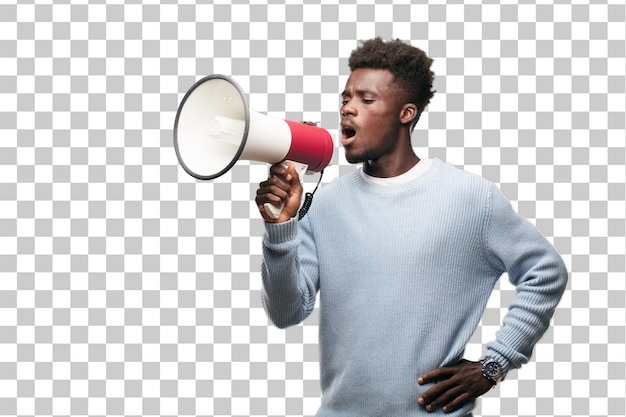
{"x":419,"y":169}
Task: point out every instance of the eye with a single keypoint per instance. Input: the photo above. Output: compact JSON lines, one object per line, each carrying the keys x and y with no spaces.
{"x":367,"y":100}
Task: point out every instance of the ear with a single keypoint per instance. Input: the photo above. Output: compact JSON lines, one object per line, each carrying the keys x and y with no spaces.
{"x":408,"y":113}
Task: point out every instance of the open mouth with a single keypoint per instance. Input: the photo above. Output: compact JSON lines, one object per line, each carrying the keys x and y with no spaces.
{"x":347,"y":134}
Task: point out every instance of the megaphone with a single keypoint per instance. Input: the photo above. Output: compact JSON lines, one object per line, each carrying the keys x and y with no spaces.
{"x":214,"y":128}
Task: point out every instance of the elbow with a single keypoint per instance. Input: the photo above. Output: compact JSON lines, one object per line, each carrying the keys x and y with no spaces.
{"x":559,"y":276}
{"x":282,"y":324}
{"x":554,"y":269}
{"x":283,"y":321}
{"x":281,"y":318}
{"x":554,"y":281}
{"x":562,"y":274}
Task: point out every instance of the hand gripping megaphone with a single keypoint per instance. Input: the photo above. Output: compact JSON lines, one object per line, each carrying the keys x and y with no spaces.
{"x":214,"y":128}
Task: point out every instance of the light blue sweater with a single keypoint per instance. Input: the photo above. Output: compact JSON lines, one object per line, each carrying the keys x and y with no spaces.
{"x":404,"y":273}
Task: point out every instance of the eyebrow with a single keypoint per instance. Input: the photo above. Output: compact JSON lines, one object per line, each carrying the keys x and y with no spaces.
{"x":361,"y":92}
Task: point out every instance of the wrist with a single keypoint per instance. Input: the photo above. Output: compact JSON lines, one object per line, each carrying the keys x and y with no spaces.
{"x":492,"y":370}
{"x":281,"y":232}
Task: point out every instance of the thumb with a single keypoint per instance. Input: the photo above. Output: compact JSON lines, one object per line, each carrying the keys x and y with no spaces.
{"x":295,"y":197}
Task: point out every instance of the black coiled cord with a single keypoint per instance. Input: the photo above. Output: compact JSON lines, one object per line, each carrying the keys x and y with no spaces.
{"x":308,"y":199}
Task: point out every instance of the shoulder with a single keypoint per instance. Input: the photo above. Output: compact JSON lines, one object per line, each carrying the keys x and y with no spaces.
{"x":461,"y":181}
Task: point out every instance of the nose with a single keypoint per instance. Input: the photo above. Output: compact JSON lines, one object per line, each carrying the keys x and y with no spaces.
{"x":347,"y":109}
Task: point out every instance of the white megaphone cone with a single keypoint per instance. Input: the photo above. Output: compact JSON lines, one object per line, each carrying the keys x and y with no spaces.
{"x":215,"y":128}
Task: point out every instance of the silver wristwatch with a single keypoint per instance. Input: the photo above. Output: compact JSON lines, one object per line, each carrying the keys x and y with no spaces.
{"x":492,"y":370}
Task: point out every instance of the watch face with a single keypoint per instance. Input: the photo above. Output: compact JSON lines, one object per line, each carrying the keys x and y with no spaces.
{"x":492,"y":369}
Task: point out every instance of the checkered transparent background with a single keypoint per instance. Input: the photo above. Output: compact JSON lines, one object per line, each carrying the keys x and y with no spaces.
{"x":129,"y":288}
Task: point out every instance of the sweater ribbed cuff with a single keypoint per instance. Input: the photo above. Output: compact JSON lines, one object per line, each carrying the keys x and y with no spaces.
{"x":277,"y":233}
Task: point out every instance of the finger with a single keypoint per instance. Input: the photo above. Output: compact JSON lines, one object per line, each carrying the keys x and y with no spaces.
{"x":443,"y":398}
{"x":293,"y":182}
{"x":277,"y":180}
{"x":434,"y":375}
{"x":272,"y":195}
{"x":262,"y":203}
{"x":281,"y":171}
{"x":436,"y":391}
{"x":282,"y":188}
{"x":274,"y":185}
{"x":292,"y":173}
{"x":456,"y":402}
{"x":269,"y":195}
{"x":428,"y":376}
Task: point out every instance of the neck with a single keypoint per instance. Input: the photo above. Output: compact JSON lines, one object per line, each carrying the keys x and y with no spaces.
{"x":394,"y":163}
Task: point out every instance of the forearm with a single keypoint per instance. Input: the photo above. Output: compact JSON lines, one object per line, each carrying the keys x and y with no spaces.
{"x":288,"y":293}
{"x":538,"y":293}
{"x":539,"y":275}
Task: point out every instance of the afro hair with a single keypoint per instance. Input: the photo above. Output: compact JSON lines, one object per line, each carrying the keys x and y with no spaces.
{"x":409,"y":65}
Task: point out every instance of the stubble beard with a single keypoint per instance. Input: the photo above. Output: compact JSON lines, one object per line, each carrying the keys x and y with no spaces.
{"x":360,"y":158}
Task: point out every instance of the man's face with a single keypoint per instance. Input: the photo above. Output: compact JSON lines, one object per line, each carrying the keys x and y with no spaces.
{"x":370,"y":115}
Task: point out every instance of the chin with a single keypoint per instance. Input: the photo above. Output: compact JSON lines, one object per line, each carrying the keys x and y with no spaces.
{"x":358,"y":158}
{"x":354,"y":158}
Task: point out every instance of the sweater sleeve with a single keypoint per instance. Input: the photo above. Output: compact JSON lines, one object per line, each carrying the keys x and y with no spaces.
{"x":513,"y":245}
{"x":289,"y":271}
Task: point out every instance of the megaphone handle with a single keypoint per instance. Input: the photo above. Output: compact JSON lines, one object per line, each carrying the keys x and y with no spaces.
{"x":274,"y":211}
